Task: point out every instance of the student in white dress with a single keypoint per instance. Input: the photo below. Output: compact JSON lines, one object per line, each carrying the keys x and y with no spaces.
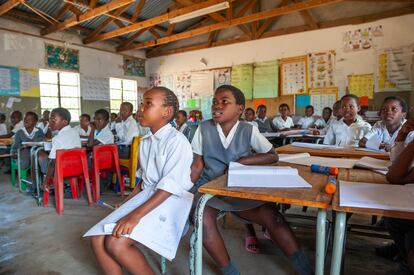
{"x":100,"y":132}
{"x":3,"y":127}
{"x":250,"y":117}
{"x":165,"y":157}
{"x":325,"y":120}
{"x":16,"y":120}
{"x":84,"y":128}
{"x":283,"y":122}
{"x":350,"y":128}
{"x":182,"y":126}
{"x":308,"y":120}
{"x":43,"y":124}
{"x":393,"y":112}
{"x":126,"y":130}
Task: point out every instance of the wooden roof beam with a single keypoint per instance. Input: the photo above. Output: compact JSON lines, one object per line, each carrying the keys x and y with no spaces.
{"x":308,"y":18}
{"x":270,"y":21}
{"x":9,"y":5}
{"x":296,"y":7}
{"x":138,"y":11}
{"x":74,"y":20}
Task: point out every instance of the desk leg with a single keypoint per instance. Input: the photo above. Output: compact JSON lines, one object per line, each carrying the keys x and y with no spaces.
{"x":18,"y":170}
{"x":37,"y":176}
{"x":320,"y":241}
{"x":340,"y":227}
{"x":196,"y":241}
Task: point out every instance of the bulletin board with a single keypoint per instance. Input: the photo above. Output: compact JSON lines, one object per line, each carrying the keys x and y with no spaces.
{"x":134,"y":66}
{"x":265,"y":79}
{"x":321,"y":68}
{"x":242,"y":78}
{"x":323,"y":97}
{"x":61,"y":58}
{"x":9,"y":81}
{"x":361,"y":85}
{"x":294,"y":75}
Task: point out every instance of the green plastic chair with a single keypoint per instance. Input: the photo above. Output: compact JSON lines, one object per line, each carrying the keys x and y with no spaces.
{"x":14,"y":166}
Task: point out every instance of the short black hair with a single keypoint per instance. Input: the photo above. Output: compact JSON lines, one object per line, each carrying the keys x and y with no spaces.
{"x":261,"y":107}
{"x":18,"y":114}
{"x":284,"y":105}
{"x":63,"y":113}
{"x":170,"y":100}
{"x":46,"y":111}
{"x":103,"y":112}
{"x":33,"y":114}
{"x":249,"y":109}
{"x":2,"y":116}
{"x":184,"y":113}
{"x":237,"y":93}
{"x":401,"y":100}
{"x":309,"y":106}
{"x":129,"y":105}
{"x":351,"y":96}
{"x":88,"y":117}
{"x":327,"y":108}
{"x":115,"y":114}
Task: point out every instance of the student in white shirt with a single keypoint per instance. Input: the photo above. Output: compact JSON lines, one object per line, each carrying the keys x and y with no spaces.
{"x":44,"y":122}
{"x":350,"y":128}
{"x":393,"y":112}
{"x":325,"y":120}
{"x":84,"y":129}
{"x":3,"y":127}
{"x":336,"y":116}
{"x":16,"y":119}
{"x":308,"y":120}
{"x":112,"y":122}
{"x":265,"y":125}
{"x":100,"y":133}
{"x":283,"y":122}
{"x":126,"y":130}
{"x":250,"y":116}
{"x":165,"y":157}
{"x":182,"y":126}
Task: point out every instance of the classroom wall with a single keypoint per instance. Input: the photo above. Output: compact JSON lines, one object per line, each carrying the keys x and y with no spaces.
{"x":27,"y":51}
{"x":398,"y":31}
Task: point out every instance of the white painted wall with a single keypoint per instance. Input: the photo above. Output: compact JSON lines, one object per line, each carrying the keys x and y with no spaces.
{"x":398,"y":31}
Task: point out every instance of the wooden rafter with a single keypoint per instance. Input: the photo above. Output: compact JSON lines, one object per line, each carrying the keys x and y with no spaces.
{"x":270,"y":21}
{"x":119,"y":23}
{"x":308,"y":18}
{"x":9,"y":5}
{"x":296,"y":7}
{"x":74,"y":20}
{"x":154,"y":33}
{"x":138,"y":10}
{"x":92,"y":4}
{"x":62,"y":10}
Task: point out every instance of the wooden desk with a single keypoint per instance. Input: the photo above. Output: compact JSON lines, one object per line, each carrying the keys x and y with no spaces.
{"x":6,"y":141}
{"x":313,"y":197}
{"x":346,"y":152}
{"x":357,"y":175}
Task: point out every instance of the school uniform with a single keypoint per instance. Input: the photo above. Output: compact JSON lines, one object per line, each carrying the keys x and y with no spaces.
{"x":306,"y":122}
{"x":126,"y":130}
{"x":380,"y":129}
{"x":43,"y":127}
{"x":18,"y":126}
{"x":218,"y":151}
{"x":321,"y":123}
{"x":253,"y":123}
{"x":3,"y":129}
{"x":104,"y":136}
{"x":185,"y":130}
{"x":23,"y":136}
{"x":142,"y":131}
{"x":264,"y":125}
{"x":339,"y":133}
{"x":281,"y":124}
{"x":82,"y":132}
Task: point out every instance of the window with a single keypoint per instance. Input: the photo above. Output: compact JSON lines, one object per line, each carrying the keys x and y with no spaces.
{"x":60,"y":89}
{"x":122,"y":90}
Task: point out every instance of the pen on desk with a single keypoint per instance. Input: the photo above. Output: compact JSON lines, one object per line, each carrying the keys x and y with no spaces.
{"x":101,"y":202}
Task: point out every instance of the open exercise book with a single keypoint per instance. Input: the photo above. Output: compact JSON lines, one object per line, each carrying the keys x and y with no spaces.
{"x":377,"y":196}
{"x":264,"y":176}
{"x":160,"y":230}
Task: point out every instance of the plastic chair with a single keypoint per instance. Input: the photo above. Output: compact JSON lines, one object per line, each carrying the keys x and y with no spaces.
{"x":70,"y":164}
{"x":132,"y":162}
{"x":14,"y":166}
{"x":105,"y":158}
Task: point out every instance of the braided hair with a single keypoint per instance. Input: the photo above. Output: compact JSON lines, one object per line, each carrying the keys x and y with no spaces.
{"x":170,"y":100}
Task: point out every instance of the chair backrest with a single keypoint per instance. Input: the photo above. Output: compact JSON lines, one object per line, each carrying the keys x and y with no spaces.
{"x":105,"y":156}
{"x":70,"y":162}
{"x":133,"y":155}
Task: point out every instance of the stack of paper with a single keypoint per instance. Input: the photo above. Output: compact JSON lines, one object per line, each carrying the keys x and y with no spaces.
{"x":315,"y":146}
{"x":377,"y":196}
{"x":291,"y":157}
{"x":373,"y":163}
{"x":322,"y":161}
{"x":264,"y":176}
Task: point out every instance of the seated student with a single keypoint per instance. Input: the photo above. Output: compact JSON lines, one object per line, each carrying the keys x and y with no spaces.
{"x":250,"y":116}
{"x":16,"y":124}
{"x":308,"y":120}
{"x":126,"y":130}
{"x":114,"y":118}
{"x":66,"y":138}
{"x":283,"y":122}
{"x":393,"y":112}
{"x":350,"y":128}
{"x":100,"y":132}
{"x":325,"y":120}
{"x":216,"y":143}
{"x":181,"y":121}
{"x":3,"y":127}
{"x":336,"y":116}
{"x":28,"y":133}
{"x":165,"y":157}
{"x":262,"y":121}
{"x":44,"y":122}
{"x":84,"y":129}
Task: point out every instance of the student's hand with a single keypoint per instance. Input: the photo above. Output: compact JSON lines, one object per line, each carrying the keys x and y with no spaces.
{"x":316,"y":132}
{"x":386,"y":147}
{"x":405,"y":129}
{"x":126,"y":224}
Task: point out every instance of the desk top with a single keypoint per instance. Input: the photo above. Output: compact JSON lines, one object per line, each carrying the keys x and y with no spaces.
{"x":312,"y":197}
{"x":6,"y":141}
{"x":346,"y":152}
{"x":360,"y":175}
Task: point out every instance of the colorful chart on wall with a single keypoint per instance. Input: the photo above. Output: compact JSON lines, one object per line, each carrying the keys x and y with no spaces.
{"x":242,"y":78}
{"x":321,"y":67}
{"x":222,"y":77}
{"x":94,"y":88}
{"x":134,"y":66}
{"x":361,"y":85}
{"x":394,"y":69}
{"x":9,"y":81}
{"x":182,"y":87}
{"x":301,"y":101}
{"x":361,"y":39}
{"x":29,"y":82}
{"x":202,"y":84}
{"x":294,"y":75}
{"x":265,"y":79}
{"x":321,"y":98}
{"x":61,"y":58}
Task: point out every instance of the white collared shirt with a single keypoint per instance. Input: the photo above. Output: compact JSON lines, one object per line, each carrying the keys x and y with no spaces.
{"x":306,"y":121}
{"x":339,"y":133}
{"x":43,"y":127}
{"x":82,"y":132}
{"x":281,"y":124}
{"x":182,"y":128}
{"x":380,"y":129}
{"x":126,"y":130}
{"x":104,"y":136}
{"x":67,"y":138}
{"x":262,"y":120}
{"x":165,"y":158}
{"x":18,"y":126}
{"x":3,"y":129}
{"x":321,"y":123}
{"x":32,"y":134}
{"x":253,"y":123}
{"x":142,"y":131}
{"x":258,"y":142}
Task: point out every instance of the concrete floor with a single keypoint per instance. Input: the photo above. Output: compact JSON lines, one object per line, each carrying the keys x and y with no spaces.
{"x":35,"y":240}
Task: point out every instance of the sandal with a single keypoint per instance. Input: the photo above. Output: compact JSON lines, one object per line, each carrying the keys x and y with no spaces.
{"x":251,"y":244}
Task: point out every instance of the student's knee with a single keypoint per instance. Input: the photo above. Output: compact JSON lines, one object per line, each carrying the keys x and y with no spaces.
{"x":116,"y":246}
{"x":209,"y":218}
{"x":97,"y":242}
{"x":271,"y":216}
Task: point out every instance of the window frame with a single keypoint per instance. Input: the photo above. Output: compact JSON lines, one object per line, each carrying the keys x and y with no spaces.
{"x":123,"y":90}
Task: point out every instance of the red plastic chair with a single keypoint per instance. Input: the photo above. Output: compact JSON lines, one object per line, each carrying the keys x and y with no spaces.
{"x":105,"y":159}
{"x":70,"y":164}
